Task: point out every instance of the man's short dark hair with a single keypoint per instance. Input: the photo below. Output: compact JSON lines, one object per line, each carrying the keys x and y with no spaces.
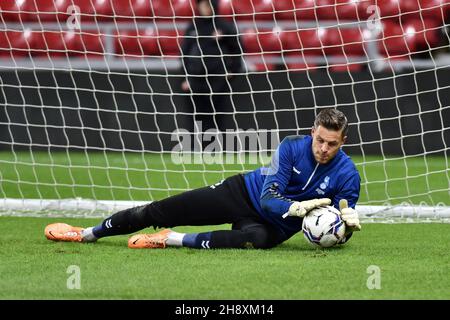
{"x":332,"y":119}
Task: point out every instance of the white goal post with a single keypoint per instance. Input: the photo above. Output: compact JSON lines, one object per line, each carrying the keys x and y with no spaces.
{"x":94,"y":119}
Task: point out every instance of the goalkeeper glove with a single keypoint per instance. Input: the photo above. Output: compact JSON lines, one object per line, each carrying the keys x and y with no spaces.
{"x":349,"y":216}
{"x":301,"y":208}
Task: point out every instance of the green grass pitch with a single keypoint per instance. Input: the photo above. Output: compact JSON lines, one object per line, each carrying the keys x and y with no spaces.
{"x":413,"y":259}
{"x":413,"y":263}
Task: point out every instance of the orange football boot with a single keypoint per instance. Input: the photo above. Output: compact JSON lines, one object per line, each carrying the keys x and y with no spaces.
{"x":63,"y":232}
{"x":150,"y":241}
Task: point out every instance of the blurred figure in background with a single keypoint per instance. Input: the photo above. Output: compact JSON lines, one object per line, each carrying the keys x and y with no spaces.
{"x":211,"y":53}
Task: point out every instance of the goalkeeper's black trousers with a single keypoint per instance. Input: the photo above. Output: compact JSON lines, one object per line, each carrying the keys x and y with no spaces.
{"x":226,"y":202}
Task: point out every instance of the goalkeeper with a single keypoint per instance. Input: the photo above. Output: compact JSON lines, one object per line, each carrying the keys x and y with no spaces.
{"x":265,"y":207}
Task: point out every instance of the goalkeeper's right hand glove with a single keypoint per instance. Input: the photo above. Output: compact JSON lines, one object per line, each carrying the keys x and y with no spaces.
{"x":350,"y":216}
{"x":301,"y":208}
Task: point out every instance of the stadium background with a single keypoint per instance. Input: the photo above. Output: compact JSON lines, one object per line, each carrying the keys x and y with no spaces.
{"x":110,"y":85}
{"x":81,"y":87}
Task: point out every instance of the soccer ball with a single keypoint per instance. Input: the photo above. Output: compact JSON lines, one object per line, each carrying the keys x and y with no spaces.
{"x":323,"y":227}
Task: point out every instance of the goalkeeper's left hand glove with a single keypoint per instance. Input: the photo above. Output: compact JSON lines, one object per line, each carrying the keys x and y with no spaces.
{"x":349,"y":216}
{"x":301,"y":208}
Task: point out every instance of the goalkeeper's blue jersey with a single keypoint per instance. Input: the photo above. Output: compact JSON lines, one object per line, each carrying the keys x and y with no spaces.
{"x":294,"y":175}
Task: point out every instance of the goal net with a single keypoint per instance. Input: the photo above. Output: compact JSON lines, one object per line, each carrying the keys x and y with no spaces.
{"x":107,"y":104}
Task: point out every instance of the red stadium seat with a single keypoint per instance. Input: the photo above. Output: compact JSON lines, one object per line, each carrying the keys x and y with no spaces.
{"x":101,"y":10}
{"x":429,"y":9}
{"x":226,"y":9}
{"x":263,"y":40}
{"x":352,"y":9}
{"x":46,"y":43}
{"x":344,"y":42}
{"x":46,"y":10}
{"x":295,"y":9}
{"x":92,"y":44}
{"x":341,"y":9}
{"x":260,"y":45}
{"x":133,"y":43}
{"x":131,"y":9}
{"x":5,"y":46}
{"x":416,"y":9}
{"x":253,"y":9}
{"x":326,"y":9}
{"x":396,"y":43}
{"x":89,"y":10}
{"x":425,"y":31}
{"x":15,"y":43}
{"x":94,"y":10}
{"x":52,"y":44}
{"x":322,"y":9}
{"x":86,"y":44}
{"x":395,"y":9}
{"x":148,"y":42}
{"x":309,"y":41}
{"x":170,"y":9}
{"x":409,"y":37}
{"x":388,"y":8}
{"x":49,"y":10}
{"x":300,"y":45}
{"x":39,"y":43}
{"x":169,"y":42}
{"x":67,"y":43}
{"x":12,"y":10}
{"x":322,"y":42}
